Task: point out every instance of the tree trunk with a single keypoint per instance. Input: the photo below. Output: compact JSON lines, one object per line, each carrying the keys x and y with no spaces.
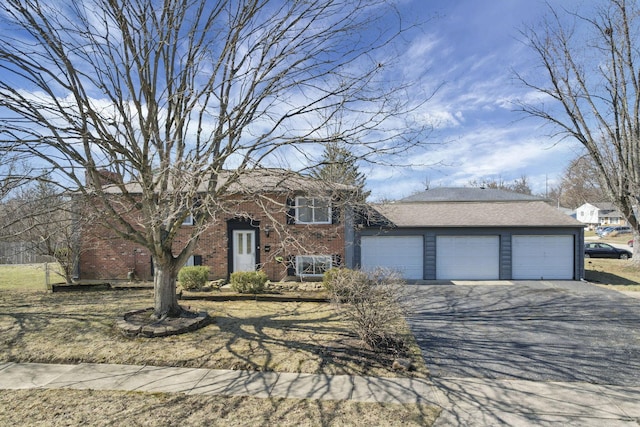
{"x":635,"y":258}
{"x":164,"y":286}
{"x":67,"y":270}
{"x":65,"y":261}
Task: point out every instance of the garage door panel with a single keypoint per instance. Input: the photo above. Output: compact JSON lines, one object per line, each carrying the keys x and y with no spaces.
{"x":467,"y":257}
{"x":401,"y":253}
{"x":542,"y":257}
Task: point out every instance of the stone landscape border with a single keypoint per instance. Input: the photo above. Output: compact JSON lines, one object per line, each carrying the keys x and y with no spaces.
{"x":132,"y":325}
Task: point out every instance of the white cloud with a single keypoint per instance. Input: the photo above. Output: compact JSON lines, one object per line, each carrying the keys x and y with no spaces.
{"x":441,"y":119}
{"x":505,"y":153}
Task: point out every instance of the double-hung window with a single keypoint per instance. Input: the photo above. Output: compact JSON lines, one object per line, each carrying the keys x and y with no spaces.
{"x":313,"y":210}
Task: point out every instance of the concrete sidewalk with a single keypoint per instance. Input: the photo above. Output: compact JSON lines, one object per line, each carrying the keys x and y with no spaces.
{"x":465,"y":401}
{"x":217,"y":382}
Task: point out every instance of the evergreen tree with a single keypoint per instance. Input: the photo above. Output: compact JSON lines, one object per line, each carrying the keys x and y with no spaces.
{"x":339,"y":165}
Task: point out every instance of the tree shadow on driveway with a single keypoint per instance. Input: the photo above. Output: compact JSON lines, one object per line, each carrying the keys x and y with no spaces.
{"x":529,"y":331}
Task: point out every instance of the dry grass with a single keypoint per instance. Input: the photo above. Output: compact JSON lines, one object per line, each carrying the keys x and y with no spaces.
{"x":264,"y":336}
{"x":613,"y":273}
{"x":272,"y":336}
{"x":99,"y":408}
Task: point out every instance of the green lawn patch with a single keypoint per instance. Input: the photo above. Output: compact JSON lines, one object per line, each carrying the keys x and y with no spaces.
{"x":27,"y":277}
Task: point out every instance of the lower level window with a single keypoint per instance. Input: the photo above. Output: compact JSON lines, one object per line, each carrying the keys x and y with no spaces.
{"x":312,"y":265}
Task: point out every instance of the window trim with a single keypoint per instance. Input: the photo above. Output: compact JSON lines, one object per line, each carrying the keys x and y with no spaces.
{"x":299,"y":259}
{"x":189,"y":220}
{"x":299,"y":205}
{"x":191,"y":261}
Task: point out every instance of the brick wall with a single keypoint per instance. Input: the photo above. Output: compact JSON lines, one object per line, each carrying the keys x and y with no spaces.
{"x":104,"y":256}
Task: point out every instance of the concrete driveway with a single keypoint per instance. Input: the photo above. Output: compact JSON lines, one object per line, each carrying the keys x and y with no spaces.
{"x":539,"y":330}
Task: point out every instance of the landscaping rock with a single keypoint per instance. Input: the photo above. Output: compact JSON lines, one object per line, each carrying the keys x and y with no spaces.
{"x":140,"y":323}
{"x":401,"y":365}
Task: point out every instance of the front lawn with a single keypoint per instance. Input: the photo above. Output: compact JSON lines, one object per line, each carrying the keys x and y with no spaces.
{"x":76,"y":327}
{"x":113,"y":408}
{"x":73,"y":327}
{"x":613,"y":273}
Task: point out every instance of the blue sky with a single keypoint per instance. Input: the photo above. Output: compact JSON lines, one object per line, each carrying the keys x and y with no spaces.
{"x":468,"y":49}
{"x":471,"y":48}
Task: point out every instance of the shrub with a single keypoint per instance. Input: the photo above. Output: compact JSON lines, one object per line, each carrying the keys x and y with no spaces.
{"x":193,"y":278}
{"x":248,"y":282}
{"x":374,"y":303}
{"x":330,"y":277}
{"x":343,"y":282}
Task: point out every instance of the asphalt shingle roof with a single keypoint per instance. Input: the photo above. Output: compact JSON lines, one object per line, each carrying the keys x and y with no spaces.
{"x":535,"y":213}
{"x":256,"y":181}
{"x":467,"y":194}
{"x":605,"y":206}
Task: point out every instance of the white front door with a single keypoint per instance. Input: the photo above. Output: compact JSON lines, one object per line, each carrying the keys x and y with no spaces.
{"x":244,"y":254}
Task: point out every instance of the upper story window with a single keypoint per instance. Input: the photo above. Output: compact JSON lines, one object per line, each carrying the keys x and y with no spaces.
{"x":313,"y":210}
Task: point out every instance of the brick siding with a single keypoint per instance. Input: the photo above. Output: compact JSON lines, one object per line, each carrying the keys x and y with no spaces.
{"x":106,"y":257}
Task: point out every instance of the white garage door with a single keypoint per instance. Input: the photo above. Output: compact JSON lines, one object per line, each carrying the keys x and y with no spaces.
{"x":542,"y":257}
{"x":467,"y":257}
{"x":401,"y":253}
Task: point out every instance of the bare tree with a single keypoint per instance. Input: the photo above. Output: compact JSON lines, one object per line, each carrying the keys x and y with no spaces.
{"x":13,"y":172}
{"x":137,"y":106}
{"x":46,"y":222}
{"x":519,"y":185}
{"x":591,"y":92}
{"x":579,"y":184}
{"x":498,"y":183}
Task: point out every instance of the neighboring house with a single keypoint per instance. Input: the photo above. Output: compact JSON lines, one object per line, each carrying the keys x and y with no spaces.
{"x":595,"y":214}
{"x":471,"y":234}
{"x":292,"y":227}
